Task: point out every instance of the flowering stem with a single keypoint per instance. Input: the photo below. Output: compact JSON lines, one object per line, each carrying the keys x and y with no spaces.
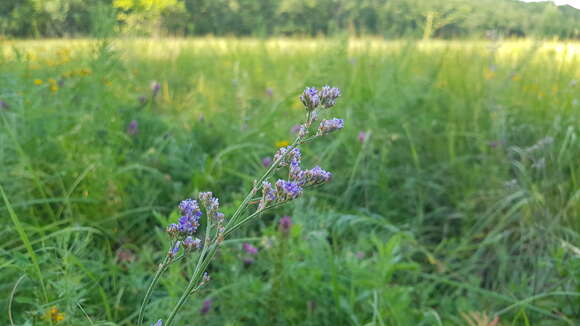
{"x":160,"y":271}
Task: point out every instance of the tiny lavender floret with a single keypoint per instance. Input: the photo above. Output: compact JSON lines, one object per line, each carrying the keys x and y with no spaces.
{"x":328,"y":126}
{"x":329,"y":96}
{"x":310,"y":98}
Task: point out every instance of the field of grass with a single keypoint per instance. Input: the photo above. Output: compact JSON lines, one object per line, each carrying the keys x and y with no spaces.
{"x":455,"y":198}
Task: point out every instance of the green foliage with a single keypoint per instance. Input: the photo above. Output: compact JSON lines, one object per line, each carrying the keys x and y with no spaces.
{"x":459,"y":203}
{"x":389,"y":18}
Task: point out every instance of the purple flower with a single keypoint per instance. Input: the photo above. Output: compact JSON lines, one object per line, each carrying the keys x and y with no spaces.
{"x":268,"y":195}
{"x":362,"y":137}
{"x":158,"y":323}
{"x":267,"y":161}
{"x":248,"y":248}
{"x":133,"y":127}
{"x":269,"y":91}
{"x":189,"y":221}
{"x":287,"y":154}
{"x":315,"y":176}
{"x":155,"y":87}
{"x":210,"y":202}
{"x":329,"y":96}
{"x":285,"y":224}
{"x":4,"y":105}
{"x":190,"y":243}
{"x":328,"y":126}
{"x":310,"y":98}
{"x":287,"y":190}
{"x":295,"y":129}
{"x":205,"y":307}
{"x":175,"y":250}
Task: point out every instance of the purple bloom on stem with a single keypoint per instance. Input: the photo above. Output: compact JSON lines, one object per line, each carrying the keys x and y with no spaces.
{"x":266,"y":162}
{"x":158,"y":323}
{"x":295,"y":129}
{"x":191,"y":243}
{"x":362,"y":137}
{"x":285,"y":224}
{"x":205,"y":307}
{"x":310,"y":98}
{"x":328,"y":126}
{"x":175,"y":250}
{"x":248,"y":248}
{"x":287,"y":190}
{"x":329,"y":96}
{"x":316,"y":176}
{"x":133,"y":127}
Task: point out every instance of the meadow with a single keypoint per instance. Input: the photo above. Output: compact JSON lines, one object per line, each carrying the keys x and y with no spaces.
{"x":455,"y":197}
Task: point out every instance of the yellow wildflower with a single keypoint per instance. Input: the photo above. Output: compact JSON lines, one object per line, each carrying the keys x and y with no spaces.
{"x":38,"y":82}
{"x":54,"y":315}
{"x":54,"y":88}
{"x":282,"y":143}
{"x":52,"y":81}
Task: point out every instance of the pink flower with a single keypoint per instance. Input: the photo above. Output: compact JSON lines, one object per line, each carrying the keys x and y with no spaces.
{"x":285,"y":224}
{"x":248,"y":248}
{"x":362,"y":137}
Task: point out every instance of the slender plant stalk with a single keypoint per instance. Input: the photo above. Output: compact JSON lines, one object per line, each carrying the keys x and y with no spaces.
{"x":152,"y":285}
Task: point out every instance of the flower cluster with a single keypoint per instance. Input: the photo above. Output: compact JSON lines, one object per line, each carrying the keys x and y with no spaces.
{"x":211,"y":205}
{"x":328,"y":126}
{"x":312,"y":97}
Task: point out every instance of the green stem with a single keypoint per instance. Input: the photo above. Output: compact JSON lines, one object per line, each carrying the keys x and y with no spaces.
{"x":160,"y":271}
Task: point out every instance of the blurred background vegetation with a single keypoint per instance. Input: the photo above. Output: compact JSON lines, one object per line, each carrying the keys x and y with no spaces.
{"x":263,"y":18}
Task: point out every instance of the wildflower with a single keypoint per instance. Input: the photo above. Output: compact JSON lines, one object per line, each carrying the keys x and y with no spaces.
{"x":315,"y":176}
{"x":285,"y":224}
{"x":54,"y":88}
{"x":268,"y":195}
{"x":362,"y":137}
{"x":189,"y":243}
{"x":287,"y":154}
{"x":4,"y":105}
{"x":329,"y":96}
{"x":54,"y":315}
{"x":328,"y":126}
{"x":266,"y":161}
{"x":310,"y":98}
{"x":295,"y":129}
{"x":158,"y":323}
{"x":155,"y":87}
{"x":189,"y":221}
{"x":287,"y":190}
{"x":282,"y":143}
{"x":133,"y":127}
{"x":248,"y":248}
{"x":38,"y":82}
{"x":208,"y":201}
{"x":205,"y":307}
{"x":175,"y":250}
{"x":142,"y":99}
{"x":269,"y":91}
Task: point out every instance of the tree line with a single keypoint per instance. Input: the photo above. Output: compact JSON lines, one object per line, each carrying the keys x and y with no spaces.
{"x":263,"y":18}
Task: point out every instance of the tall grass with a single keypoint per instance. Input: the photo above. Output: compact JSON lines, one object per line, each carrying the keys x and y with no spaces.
{"x":463,"y":196}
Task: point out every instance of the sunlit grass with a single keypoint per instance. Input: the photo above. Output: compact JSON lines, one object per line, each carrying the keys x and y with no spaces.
{"x":460,"y":199}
